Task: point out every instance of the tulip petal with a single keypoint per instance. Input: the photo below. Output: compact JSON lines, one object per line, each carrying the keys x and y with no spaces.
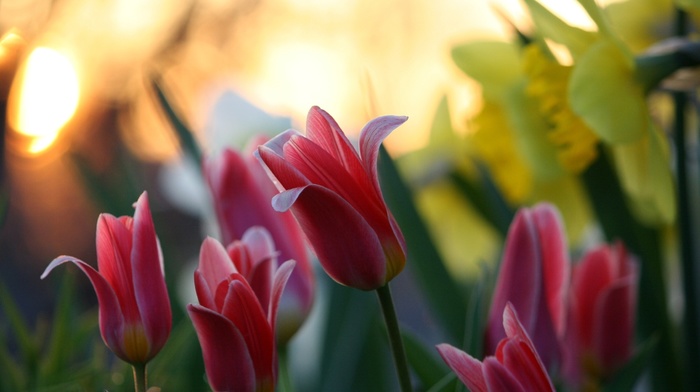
{"x":260,"y":243}
{"x":214,"y":267}
{"x":592,"y":274}
{"x":149,"y":285}
{"x":244,"y":311}
{"x":498,"y":378}
{"x":519,"y":279}
{"x":322,"y":130}
{"x":114,"y":242}
{"x":237,"y":197}
{"x":555,"y":261}
{"x":614,"y":324}
{"x":326,"y":218}
{"x":319,"y":167}
{"x":110,"y":315}
{"x":279,"y":281}
{"x":227,"y":360}
{"x":520,"y":355}
{"x":467,"y":368}
{"x":286,"y":175}
{"x":260,"y":281}
{"x":371,"y":138}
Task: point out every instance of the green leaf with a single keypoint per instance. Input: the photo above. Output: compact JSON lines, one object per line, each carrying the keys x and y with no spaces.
{"x":486,"y":199}
{"x":13,"y":379}
{"x":444,"y":294}
{"x":63,"y":330}
{"x":183,"y":132}
{"x":477,"y":312}
{"x":116,"y":191}
{"x":179,"y":365}
{"x":28,"y":347}
{"x":425,"y":362}
{"x":626,"y":378}
{"x":351,"y":315}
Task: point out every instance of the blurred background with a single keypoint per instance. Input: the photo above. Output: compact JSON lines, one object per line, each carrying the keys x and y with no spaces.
{"x":84,"y":133}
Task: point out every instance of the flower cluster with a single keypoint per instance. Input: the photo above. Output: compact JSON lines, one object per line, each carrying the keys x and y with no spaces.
{"x":579,"y":323}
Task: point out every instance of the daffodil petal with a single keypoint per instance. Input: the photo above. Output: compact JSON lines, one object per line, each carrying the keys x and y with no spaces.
{"x":604,"y":93}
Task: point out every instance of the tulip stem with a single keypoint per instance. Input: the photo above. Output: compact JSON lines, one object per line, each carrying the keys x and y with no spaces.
{"x":285,"y":379}
{"x":139,"y":377}
{"x":392,"y":326}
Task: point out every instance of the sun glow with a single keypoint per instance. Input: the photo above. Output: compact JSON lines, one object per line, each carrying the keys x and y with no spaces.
{"x":44,"y":97}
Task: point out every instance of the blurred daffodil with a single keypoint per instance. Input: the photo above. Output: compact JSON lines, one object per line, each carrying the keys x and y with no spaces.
{"x":606,"y":93}
{"x":511,"y":136}
{"x":506,"y":137}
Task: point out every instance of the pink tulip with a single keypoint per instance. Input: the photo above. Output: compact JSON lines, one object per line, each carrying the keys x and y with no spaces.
{"x":235,"y":327}
{"x":241,"y":191}
{"x":134,"y":308}
{"x":334,"y":194}
{"x":516,"y":365}
{"x":534,"y":277}
{"x":602,"y":305}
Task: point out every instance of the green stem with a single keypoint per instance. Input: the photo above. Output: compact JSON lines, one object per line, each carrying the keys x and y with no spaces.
{"x":392,"y":326}
{"x":691,"y":346}
{"x":139,"y":377}
{"x":285,"y":381}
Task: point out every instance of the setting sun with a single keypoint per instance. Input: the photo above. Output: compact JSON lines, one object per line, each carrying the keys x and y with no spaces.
{"x":44,"y":97}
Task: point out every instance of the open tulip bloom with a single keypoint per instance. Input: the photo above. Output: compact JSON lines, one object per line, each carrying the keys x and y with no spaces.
{"x":134,"y":308}
{"x":241,"y":192}
{"x":335,"y":196}
{"x":235,"y":318}
{"x":516,"y":366}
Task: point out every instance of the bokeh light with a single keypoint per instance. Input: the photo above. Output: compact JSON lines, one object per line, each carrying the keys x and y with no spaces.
{"x":44,"y":97}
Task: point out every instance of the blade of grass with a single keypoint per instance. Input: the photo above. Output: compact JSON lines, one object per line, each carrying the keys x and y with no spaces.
{"x":183,"y":132}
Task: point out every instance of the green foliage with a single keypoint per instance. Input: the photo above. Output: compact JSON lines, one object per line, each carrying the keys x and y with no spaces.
{"x":61,"y":355}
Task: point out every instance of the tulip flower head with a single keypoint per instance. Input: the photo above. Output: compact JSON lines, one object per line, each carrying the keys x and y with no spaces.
{"x":235,"y":318}
{"x":602,"y":303}
{"x":134,"y":308}
{"x":334,"y":194}
{"x":534,"y":277}
{"x":241,"y":191}
{"x":516,"y":366}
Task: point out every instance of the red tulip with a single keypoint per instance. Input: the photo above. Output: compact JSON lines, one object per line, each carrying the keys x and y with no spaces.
{"x":334,"y":193}
{"x":241,"y":191}
{"x":516,"y":365}
{"x":602,"y":307}
{"x":235,"y":328}
{"x":134,"y":309}
{"x":534,"y":277}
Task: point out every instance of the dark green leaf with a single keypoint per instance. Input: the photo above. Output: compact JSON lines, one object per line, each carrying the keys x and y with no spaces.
{"x":426,"y":363}
{"x":349,"y":323}
{"x":626,"y":378}
{"x":444,"y":294}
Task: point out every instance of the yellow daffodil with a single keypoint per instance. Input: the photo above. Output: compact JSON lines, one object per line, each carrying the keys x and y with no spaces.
{"x":606,"y":90}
